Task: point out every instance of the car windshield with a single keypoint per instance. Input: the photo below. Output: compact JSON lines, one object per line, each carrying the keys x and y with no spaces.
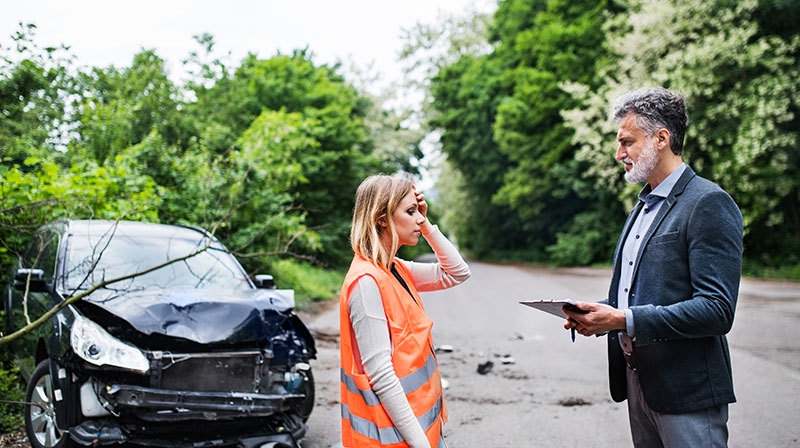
{"x":114,"y":254}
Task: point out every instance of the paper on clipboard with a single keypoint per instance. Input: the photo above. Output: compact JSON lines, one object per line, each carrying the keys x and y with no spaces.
{"x":551,"y":306}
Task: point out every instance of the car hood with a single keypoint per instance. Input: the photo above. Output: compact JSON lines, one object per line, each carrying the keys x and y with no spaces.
{"x":203,"y":316}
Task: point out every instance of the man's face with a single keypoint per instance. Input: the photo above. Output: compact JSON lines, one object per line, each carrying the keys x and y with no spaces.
{"x":636,"y":150}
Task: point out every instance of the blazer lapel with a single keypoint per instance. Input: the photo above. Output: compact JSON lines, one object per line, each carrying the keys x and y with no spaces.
{"x":669,"y":202}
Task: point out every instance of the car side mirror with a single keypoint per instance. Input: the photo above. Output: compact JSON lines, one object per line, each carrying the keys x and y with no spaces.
{"x":264,"y":281}
{"x":33,"y":279}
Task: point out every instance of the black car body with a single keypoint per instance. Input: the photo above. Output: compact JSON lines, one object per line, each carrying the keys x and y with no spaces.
{"x":172,"y":343}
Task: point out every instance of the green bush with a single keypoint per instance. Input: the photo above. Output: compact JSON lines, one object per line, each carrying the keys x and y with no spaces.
{"x":310,"y":283}
{"x":587,"y":239}
{"x":11,"y":397}
{"x":11,"y":389}
{"x":759,"y":269}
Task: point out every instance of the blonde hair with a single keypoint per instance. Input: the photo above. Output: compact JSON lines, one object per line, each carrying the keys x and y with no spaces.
{"x":377,"y":198}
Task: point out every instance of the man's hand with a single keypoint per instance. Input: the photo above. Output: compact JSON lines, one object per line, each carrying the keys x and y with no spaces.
{"x":594,"y":319}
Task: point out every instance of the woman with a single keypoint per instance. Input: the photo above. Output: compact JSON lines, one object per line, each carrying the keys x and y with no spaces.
{"x":390,"y":383}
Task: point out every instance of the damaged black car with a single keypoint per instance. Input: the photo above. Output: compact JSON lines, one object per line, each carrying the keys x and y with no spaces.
{"x":169,"y":342}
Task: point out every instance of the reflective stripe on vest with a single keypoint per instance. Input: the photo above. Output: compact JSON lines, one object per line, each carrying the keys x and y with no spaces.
{"x":387,"y":436}
{"x":410,"y":382}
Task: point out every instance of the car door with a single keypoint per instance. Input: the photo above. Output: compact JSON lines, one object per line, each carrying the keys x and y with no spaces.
{"x":31,"y":294}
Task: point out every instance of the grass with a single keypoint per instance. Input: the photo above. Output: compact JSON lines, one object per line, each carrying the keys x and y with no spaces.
{"x":310,"y":283}
{"x":789,"y":272}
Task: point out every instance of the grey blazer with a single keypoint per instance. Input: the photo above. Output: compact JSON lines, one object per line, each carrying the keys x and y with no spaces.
{"x":683,"y":299}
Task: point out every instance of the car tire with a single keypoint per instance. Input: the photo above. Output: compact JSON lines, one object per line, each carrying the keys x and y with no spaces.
{"x":303,"y":409}
{"x":40,"y":413}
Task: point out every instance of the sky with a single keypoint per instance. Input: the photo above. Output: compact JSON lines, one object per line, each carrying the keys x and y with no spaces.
{"x":109,"y":32}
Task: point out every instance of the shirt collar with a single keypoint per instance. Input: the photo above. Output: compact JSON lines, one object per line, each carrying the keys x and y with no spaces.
{"x":662,"y":190}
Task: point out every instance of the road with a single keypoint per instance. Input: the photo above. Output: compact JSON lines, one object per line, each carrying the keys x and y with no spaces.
{"x":544,"y":390}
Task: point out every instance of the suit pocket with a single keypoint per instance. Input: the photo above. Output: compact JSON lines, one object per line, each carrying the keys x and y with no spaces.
{"x":664,"y":238}
{"x":666,"y":248}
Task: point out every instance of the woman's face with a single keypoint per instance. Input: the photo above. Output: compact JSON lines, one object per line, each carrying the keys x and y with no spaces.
{"x":407,"y":220}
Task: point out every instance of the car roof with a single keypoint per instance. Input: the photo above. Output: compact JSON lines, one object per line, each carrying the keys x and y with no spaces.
{"x":139,"y":228}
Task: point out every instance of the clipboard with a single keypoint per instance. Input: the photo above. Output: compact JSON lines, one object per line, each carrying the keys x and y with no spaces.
{"x":551,"y":306}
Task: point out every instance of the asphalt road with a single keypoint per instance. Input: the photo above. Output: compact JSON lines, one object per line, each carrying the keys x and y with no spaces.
{"x":544,"y":390}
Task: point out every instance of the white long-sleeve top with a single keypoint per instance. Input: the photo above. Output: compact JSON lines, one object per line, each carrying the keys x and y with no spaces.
{"x":371,"y":330}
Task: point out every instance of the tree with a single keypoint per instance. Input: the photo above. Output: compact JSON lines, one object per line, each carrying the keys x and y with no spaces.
{"x":437,"y":58}
{"x":42,"y":191}
{"x":34,"y":86}
{"x":562,"y":41}
{"x":189,"y":141}
{"x":502,"y":127}
{"x":466,"y":95}
{"x":332,"y":168}
{"x":740,"y":78}
{"x":267,"y":168}
{"x":120,"y":108}
{"x":133,"y":143}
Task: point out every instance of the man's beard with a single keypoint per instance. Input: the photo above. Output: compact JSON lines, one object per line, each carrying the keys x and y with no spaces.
{"x":645,"y":165}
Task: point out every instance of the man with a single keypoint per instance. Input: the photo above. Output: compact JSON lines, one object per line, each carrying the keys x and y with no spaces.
{"x":674,"y":287}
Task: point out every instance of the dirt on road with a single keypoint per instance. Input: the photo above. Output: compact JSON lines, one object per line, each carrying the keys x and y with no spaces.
{"x":15,"y":439}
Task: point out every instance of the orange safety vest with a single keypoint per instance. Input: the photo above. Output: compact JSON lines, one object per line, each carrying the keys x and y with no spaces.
{"x":365,"y":422}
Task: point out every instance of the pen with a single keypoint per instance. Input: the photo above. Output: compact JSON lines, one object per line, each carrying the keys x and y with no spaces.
{"x":573,"y":334}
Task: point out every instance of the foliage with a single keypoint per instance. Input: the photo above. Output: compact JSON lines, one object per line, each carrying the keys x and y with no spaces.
{"x":741,"y":83}
{"x":266,"y":155}
{"x":310,"y":283}
{"x":584,"y":242}
{"x":432,"y":53}
{"x":428,"y":48}
{"x":466,"y":96}
{"x":564,"y":42}
{"x":500,"y":116}
{"x":12,"y":395}
{"x":759,"y":269}
{"x":120,"y":108}
{"x":11,"y":389}
{"x":322,"y":159}
{"x":526,"y":126}
{"x":35,"y":85}
{"x":40,"y":191}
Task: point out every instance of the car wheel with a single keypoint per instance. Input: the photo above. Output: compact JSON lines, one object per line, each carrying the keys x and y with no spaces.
{"x":303,"y":408}
{"x":40,"y":412}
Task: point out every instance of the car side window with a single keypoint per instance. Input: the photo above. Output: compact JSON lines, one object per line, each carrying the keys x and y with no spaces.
{"x":42,"y":254}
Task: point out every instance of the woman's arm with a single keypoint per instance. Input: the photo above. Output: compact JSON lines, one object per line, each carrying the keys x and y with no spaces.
{"x":372,"y":336}
{"x":450,"y":270}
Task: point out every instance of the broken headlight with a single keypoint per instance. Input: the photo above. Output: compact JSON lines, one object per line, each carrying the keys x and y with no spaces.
{"x":93,"y":344}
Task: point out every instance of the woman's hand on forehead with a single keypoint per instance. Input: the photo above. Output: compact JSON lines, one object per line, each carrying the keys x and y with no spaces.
{"x":422,"y":206}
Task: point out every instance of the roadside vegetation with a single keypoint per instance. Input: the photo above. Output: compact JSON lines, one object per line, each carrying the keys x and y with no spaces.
{"x":266,"y":152}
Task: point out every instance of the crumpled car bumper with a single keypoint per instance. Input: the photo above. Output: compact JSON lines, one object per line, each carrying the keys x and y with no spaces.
{"x":283,"y":433}
{"x":172,"y":405}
